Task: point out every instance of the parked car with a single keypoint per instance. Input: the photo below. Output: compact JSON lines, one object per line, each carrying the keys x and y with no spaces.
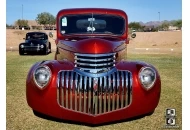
{"x":89,"y":81}
{"x":35,"y":42}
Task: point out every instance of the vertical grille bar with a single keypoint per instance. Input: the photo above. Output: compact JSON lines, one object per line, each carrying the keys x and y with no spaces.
{"x":85,"y":89}
{"x":100,"y":96}
{"x":67,"y":87}
{"x":89,"y":95}
{"x":113,"y":94}
{"x":109,"y":90}
{"x":129,"y":87}
{"x":62,"y":92}
{"x":80,"y":97}
{"x":76,"y":89}
{"x":117,"y":94}
{"x":126,"y":93}
{"x":95,"y":101}
{"x":71,"y":90}
{"x":104,"y":94}
{"x":122,"y":87}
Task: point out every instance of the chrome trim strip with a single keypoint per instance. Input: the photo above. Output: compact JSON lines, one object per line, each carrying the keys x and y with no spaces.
{"x":95,"y":64}
{"x":94,"y":55}
{"x":95,"y":69}
{"x":93,"y":60}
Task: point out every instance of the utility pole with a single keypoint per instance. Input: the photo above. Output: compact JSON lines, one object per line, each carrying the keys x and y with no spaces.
{"x":159,"y":16}
{"x":22,"y":11}
{"x":159,"y":20}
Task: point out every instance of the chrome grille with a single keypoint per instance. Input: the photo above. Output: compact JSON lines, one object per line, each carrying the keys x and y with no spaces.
{"x":94,"y":63}
{"x":94,"y":93}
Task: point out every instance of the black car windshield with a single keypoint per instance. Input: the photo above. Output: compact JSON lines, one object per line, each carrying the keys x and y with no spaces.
{"x":92,"y":23}
{"x":38,"y":36}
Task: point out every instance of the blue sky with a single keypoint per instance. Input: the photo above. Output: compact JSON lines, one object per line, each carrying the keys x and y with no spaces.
{"x":137,"y":10}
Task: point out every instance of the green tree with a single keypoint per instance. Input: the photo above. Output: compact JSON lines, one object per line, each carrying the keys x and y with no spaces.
{"x":178,"y":23}
{"x":22,"y":23}
{"x":165,"y":25}
{"x":135,"y":25}
{"x":45,"y":18}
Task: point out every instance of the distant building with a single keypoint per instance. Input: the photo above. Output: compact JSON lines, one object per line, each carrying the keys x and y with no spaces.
{"x":173,"y":28}
{"x":149,"y":28}
{"x":32,"y":24}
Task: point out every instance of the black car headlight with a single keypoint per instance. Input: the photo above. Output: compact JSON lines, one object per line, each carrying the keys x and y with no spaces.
{"x":21,"y":46}
{"x":147,"y":77}
{"x":42,"y":46}
{"x":42,"y":76}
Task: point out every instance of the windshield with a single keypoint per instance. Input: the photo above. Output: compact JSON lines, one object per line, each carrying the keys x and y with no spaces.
{"x":92,"y":23}
{"x":38,"y":36}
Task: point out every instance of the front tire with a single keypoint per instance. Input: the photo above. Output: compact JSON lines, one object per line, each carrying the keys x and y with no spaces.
{"x":49,"y":50}
{"x":45,"y":51}
{"x":21,"y":52}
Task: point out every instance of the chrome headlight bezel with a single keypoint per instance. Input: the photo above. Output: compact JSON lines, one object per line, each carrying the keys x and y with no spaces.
{"x":42,"y":46}
{"x":148,"y":81}
{"x":48,"y":78}
{"x":22,"y":46}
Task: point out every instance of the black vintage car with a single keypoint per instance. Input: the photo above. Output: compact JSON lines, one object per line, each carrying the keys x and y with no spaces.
{"x":35,"y":42}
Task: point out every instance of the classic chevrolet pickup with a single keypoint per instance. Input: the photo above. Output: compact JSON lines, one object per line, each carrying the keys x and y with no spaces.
{"x":88,"y":81}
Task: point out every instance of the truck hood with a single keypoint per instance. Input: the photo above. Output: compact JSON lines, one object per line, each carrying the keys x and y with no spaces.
{"x":92,"y":46}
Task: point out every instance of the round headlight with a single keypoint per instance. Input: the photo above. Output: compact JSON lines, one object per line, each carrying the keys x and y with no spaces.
{"x":42,"y":76}
{"x":147,"y":77}
{"x":21,"y":46}
{"x":42,"y":46}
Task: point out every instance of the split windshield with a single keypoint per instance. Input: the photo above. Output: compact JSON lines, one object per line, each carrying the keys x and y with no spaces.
{"x":92,"y":23}
{"x":38,"y":36}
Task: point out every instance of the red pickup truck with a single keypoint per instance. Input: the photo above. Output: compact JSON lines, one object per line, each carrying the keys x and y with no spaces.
{"x":89,"y":81}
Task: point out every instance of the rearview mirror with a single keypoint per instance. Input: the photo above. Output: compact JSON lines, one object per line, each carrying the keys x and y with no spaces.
{"x":50,"y":34}
{"x":133,"y":35}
